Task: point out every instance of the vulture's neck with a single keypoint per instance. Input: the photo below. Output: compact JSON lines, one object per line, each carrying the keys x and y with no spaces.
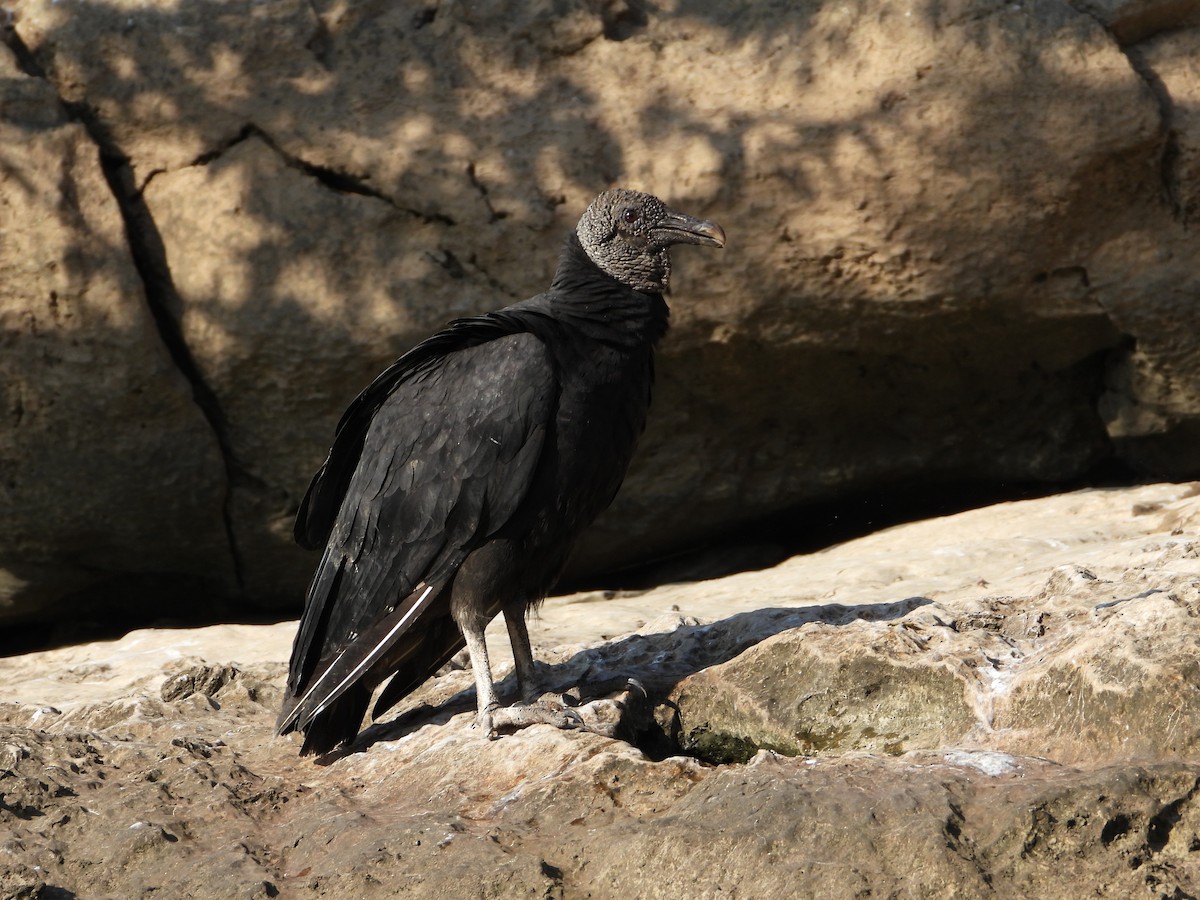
{"x":590,"y":299}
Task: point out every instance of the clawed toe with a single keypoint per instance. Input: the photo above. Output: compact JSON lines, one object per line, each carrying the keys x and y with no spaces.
{"x":610,"y":716}
{"x":542,"y":712}
{"x":485,"y":723}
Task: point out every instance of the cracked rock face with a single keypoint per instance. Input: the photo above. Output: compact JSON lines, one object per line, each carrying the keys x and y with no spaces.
{"x":962,"y":246}
{"x":1000,"y":703}
{"x":106,"y":461}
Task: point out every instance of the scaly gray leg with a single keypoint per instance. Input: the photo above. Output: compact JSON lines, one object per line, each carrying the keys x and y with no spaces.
{"x":485,"y":691}
{"x":531,"y":710}
{"x":518,"y":635}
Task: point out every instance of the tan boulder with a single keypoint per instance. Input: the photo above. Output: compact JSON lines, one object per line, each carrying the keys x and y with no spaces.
{"x":146,"y":765}
{"x":108,"y":469}
{"x":1064,"y":628}
{"x":290,"y":290}
{"x":959,"y":234}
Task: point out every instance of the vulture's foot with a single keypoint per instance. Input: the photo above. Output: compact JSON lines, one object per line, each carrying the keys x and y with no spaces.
{"x":545,"y":711}
{"x":620,"y":714}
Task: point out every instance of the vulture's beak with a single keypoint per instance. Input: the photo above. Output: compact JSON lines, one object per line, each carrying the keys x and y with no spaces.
{"x":676,"y":228}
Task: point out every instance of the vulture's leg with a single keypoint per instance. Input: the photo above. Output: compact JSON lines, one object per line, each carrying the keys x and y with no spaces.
{"x":518,"y":635}
{"x":490,"y":717}
{"x":485,"y":691}
{"x":529,"y":710}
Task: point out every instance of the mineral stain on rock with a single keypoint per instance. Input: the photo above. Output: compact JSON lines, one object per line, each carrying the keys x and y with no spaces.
{"x":725,"y":748}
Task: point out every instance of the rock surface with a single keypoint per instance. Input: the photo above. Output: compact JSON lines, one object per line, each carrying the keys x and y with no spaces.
{"x":102,"y":449}
{"x":1001,"y":703}
{"x":962,"y":247}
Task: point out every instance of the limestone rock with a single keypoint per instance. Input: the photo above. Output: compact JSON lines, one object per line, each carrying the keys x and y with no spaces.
{"x":1172,"y":57}
{"x":1133,"y":21}
{"x":1078,"y":664}
{"x":795,"y":693}
{"x":110,"y":470}
{"x":959,"y":233}
{"x":1059,"y":635}
{"x":284,"y":287}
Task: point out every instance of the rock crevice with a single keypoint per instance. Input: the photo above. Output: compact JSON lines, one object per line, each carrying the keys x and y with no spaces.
{"x":145,"y":247}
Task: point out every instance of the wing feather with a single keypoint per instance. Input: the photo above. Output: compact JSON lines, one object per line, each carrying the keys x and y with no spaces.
{"x":319,"y":508}
{"x":445,"y":461}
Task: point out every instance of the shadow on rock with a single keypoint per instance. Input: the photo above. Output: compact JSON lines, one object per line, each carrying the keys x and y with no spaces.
{"x":623,"y":687}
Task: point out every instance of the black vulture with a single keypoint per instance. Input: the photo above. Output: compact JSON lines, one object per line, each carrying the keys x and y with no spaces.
{"x":459,"y":480}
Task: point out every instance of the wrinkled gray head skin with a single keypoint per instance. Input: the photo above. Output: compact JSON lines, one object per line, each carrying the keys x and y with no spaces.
{"x":628,"y":234}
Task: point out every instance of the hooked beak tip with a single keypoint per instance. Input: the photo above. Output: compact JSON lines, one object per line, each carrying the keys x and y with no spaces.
{"x":713,"y":232}
{"x":680,"y":229}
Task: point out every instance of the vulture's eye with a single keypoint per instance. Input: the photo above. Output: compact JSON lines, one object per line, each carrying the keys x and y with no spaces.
{"x":630,"y":216}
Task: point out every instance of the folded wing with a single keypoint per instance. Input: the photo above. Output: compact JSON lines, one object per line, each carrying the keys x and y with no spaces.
{"x":435,"y":456}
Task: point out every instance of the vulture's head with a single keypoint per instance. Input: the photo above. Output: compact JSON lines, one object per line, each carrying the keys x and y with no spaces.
{"x":629,"y":234}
